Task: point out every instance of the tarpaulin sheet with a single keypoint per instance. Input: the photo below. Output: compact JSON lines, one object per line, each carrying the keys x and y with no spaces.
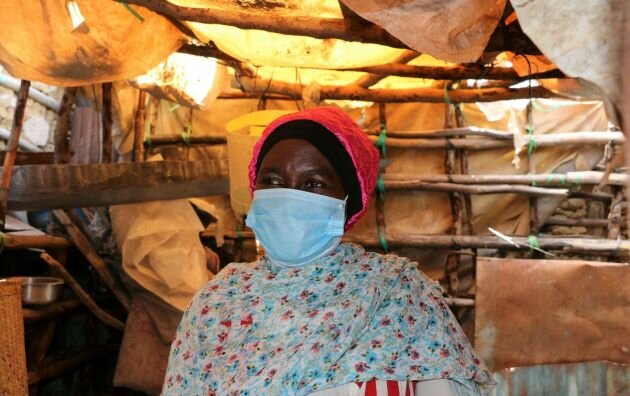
{"x":37,"y":41}
{"x":531,"y":312}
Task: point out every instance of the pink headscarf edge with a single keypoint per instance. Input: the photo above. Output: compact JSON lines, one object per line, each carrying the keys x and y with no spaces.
{"x":322,"y":115}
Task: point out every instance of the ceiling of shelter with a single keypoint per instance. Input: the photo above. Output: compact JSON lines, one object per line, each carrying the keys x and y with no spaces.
{"x":306,"y":42}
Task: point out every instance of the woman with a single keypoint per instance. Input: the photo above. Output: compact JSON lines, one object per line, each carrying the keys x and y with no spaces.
{"x":315,"y":316}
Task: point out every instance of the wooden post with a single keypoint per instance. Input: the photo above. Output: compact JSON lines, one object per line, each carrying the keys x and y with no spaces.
{"x":61,"y":137}
{"x":82,"y":295}
{"x":90,"y":254}
{"x":107,"y":122}
{"x":625,"y":88}
{"x":534,"y":224}
{"x":138,"y":150}
{"x":12,"y":146}
{"x":451,"y":265}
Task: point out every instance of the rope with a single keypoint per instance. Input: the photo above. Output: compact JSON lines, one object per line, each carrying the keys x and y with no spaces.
{"x":447,"y":99}
{"x":384,"y":243}
{"x":532,"y":144}
{"x":381,"y":142}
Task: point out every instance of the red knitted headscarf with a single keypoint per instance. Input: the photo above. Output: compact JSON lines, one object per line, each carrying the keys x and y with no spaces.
{"x":364,"y":156}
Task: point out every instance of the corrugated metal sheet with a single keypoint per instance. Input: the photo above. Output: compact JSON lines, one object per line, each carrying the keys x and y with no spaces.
{"x":575,"y":379}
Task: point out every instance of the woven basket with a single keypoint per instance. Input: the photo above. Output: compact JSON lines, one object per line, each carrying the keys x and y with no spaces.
{"x":13,"y":381}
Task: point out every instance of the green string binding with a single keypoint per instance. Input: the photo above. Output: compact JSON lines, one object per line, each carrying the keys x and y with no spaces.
{"x":447,"y":99}
{"x":239,"y":233}
{"x":382,"y":140}
{"x":132,"y":11}
{"x":533,"y":244}
{"x":532,"y":144}
{"x":186,"y":134}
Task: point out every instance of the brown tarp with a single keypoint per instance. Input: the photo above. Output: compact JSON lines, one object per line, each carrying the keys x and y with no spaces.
{"x":551,"y":311}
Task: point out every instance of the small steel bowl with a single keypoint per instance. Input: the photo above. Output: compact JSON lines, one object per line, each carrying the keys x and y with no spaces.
{"x":40,"y":290}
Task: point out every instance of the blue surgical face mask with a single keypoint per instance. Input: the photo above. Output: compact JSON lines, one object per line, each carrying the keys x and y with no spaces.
{"x":296,"y":227}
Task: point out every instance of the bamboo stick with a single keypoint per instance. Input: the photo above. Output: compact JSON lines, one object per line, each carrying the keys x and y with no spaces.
{"x":430,"y":95}
{"x":138,"y":151}
{"x":554,"y":221}
{"x":12,"y":146}
{"x":548,"y":140}
{"x":62,"y":129}
{"x":493,"y":242}
{"x":90,"y":254}
{"x":108,"y":123}
{"x":82,"y":295}
{"x":404,"y":181}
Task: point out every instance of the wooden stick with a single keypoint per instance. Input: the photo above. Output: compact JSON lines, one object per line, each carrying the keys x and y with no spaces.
{"x":448,"y":133}
{"x":459,"y":72}
{"x":379,"y":204}
{"x":478,"y":189}
{"x":492,"y":242}
{"x":371,"y":79}
{"x":212,"y":51}
{"x":38,"y":96}
{"x":429,"y":95}
{"x":82,"y":295}
{"x":138,"y":151}
{"x":108,"y":122}
{"x":549,"y":140}
{"x":24,"y":158}
{"x":90,"y":254}
{"x":15,"y":242}
{"x":625,"y":88}
{"x":62,"y":129}
{"x":615,"y":217}
{"x":12,"y":146}
{"x":56,"y":369}
{"x":322,"y":28}
{"x":402,"y":181}
{"x":194,"y":140}
{"x":54,"y":310}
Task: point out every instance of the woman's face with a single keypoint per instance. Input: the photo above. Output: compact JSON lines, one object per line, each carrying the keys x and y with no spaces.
{"x":297,"y":164}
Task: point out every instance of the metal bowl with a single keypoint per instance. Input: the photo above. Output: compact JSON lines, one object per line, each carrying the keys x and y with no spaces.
{"x":40,"y":290}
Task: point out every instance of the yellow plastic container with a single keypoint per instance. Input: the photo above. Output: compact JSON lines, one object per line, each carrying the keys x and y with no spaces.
{"x":242,"y":134}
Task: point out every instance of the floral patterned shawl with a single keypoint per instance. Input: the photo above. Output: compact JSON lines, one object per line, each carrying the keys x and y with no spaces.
{"x":353,"y":316}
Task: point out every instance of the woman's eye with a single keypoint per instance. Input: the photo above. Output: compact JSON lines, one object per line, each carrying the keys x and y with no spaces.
{"x":271,"y":181}
{"x":314,"y":184}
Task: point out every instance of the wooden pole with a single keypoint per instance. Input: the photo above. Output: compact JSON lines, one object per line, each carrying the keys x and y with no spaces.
{"x":194,"y":140}
{"x":452,"y":262}
{"x":429,"y":95}
{"x":12,"y":146}
{"x":621,"y":247}
{"x":549,"y":140}
{"x":625,"y":87}
{"x":408,"y":181}
{"x":138,"y":151}
{"x":478,"y":189}
{"x":459,"y":72}
{"x":62,"y":129}
{"x":108,"y":122}
{"x":380,"y":194}
{"x":371,"y":79}
{"x":82,"y":295}
{"x":83,"y":244}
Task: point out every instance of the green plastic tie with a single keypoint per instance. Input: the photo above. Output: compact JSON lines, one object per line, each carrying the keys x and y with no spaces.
{"x":384,"y":243}
{"x":380,"y":185}
{"x":132,"y":11}
{"x":533,"y":244}
{"x":578,"y":180}
{"x":381,"y":142}
{"x":239,"y":233}
{"x":532,"y":144}
{"x":447,"y":99}
{"x":561,"y":178}
{"x":532,"y":180}
{"x":186,"y":134}
{"x":174,"y":107}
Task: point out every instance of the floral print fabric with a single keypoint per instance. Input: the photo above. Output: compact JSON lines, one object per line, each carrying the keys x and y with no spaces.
{"x":353,"y":316}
